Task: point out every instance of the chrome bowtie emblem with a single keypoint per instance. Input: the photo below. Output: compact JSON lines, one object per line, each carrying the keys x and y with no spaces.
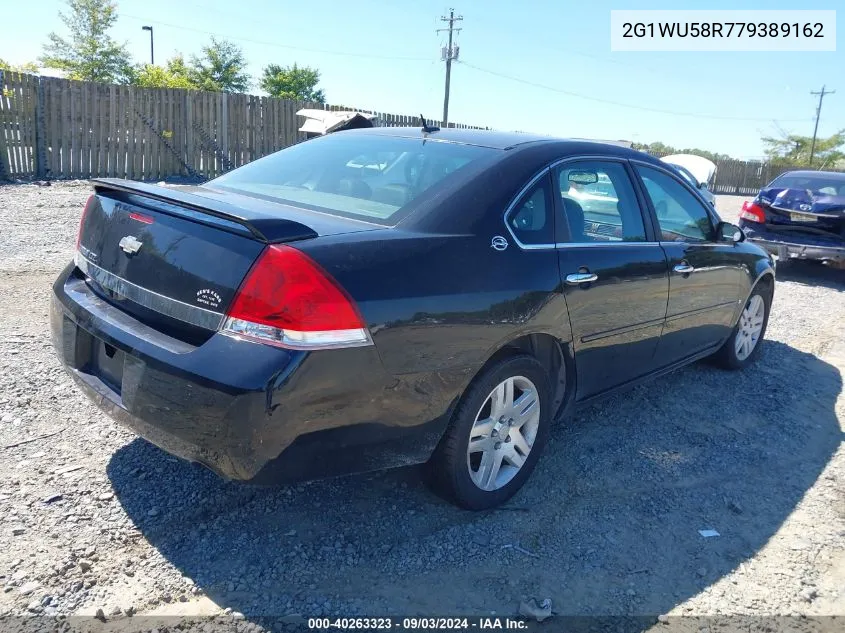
{"x":130,"y":245}
{"x":499,"y":243}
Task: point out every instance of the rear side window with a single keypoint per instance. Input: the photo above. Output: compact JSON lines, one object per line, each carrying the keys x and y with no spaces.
{"x":600,"y":203}
{"x":363,"y":176}
{"x":531,"y":219}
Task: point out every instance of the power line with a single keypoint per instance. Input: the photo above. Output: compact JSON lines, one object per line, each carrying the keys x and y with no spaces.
{"x":450,"y":53}
{"x":493,"y":27}
{"x":621,"y":104}
{"x":821,"y":94}
{"x":276,"y":44}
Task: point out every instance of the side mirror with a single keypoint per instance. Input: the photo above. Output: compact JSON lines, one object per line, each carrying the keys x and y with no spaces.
{"x":730,"y":232}
{"x":703,"y":185}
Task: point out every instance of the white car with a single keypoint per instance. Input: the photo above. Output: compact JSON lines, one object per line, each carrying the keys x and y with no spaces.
{"x":696,"y":170}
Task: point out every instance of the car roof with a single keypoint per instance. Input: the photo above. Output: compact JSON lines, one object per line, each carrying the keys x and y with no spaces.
{"x":501,"y":140}
{"x":812,"y":172}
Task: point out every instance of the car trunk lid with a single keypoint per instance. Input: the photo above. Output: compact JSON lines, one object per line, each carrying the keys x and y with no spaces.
{"x":800,"y":212}
{"x":175,"y":257}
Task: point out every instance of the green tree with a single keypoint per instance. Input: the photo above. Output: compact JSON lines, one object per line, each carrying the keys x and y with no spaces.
{"x":794,"y":149}
{"x":26,"y":67}
{"x":89,"y":53}
{"x":661,"y":149}
{"x":174,"y":75}
{"x":656,"y":148}
{"x":292,"y":82}
{"x":222,"y":67}
{"x":177,"y":66}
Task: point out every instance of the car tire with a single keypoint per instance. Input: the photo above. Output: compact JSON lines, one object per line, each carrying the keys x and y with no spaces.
{"x":732,"y":355}
{"x":500,"y":434}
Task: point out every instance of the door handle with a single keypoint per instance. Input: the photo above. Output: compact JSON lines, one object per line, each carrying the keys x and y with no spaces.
{"x":683,"y":268}
{"x":576,"y":279}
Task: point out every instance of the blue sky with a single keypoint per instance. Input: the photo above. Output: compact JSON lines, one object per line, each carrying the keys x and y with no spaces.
{"x":385,"y":55}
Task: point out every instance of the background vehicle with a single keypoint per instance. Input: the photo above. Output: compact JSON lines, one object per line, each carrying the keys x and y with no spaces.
{"x":384,"y":297}
{"x":800,"y":214}
{"x":686,"y":174}
{"x":321,"y":122}
{"x":697,"y":171}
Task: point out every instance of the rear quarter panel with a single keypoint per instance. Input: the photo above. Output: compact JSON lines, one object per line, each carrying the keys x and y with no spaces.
{"x":438,"y":306}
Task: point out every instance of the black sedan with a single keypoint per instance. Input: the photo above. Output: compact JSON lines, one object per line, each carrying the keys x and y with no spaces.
{"x":383,"y":297}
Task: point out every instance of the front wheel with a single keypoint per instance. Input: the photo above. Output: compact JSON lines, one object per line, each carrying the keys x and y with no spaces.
{"x":495,"y":436}
{"x":744,"y":343}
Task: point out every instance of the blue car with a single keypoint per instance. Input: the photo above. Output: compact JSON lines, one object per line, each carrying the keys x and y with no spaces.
{"x":800,"y":214}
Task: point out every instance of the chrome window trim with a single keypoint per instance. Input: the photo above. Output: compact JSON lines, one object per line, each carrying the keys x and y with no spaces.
{"x":547,"y":171}
{"x":149,"y":299}
{"x":603,"y":244}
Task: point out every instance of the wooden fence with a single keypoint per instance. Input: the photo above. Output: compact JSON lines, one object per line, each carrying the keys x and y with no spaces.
{"x":57,"y":128}
{"x":743,"y":177}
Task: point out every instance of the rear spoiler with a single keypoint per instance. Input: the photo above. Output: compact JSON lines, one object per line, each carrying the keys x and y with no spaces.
{"x":262,"y":227}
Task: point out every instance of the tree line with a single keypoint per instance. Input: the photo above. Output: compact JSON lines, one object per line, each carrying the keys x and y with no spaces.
{"x":88,"y":52}
{"x":785,"y":148}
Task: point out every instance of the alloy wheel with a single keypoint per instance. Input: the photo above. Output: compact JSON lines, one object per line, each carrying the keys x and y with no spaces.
{"x":750,"y":326}
{"x":503,"y":433}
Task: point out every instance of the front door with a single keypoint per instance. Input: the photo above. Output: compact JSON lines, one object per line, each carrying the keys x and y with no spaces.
{"x":614,"y":274}
{"x":705,"y":274}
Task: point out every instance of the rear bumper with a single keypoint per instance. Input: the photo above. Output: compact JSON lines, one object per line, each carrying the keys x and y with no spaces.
{"x":786,"y":249}
{"x":247,"y":411}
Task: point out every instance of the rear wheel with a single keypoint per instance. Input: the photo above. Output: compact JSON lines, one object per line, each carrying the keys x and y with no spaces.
{"x":495,"y":436}
{"x":744,"y":343}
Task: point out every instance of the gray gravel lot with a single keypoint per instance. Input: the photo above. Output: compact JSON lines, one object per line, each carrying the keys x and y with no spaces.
{"x":95,"y":518}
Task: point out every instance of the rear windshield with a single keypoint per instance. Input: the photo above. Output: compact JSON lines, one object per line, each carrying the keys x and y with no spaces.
{"x":821,"y":184}
{"x":368,"y":177}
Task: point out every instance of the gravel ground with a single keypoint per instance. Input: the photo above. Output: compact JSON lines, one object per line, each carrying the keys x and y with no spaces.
{"x":95,"y":518}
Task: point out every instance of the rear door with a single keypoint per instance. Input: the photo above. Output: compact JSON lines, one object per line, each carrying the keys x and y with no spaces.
{"x":705,"y":274}
{"x":614,"y":273}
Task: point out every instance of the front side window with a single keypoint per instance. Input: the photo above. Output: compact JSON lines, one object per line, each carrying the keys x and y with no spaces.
{"x":364,"y":176}
{"x":599,"y":202}
{"x":682,"y":218}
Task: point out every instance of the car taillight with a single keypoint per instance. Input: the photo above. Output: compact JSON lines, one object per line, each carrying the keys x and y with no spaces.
{"x":752,"y":212}
{"x":289,"y":301}
{"x":88,"y":206}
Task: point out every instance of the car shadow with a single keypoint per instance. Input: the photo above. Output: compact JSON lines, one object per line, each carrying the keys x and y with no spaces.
{"x":607,"y":525}
{"x":811,"y":273}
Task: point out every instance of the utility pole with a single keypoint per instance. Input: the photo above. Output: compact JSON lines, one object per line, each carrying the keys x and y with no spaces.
{"x":821,"y":94}
{"x":152,"y":56}
{"x":449,"y":53}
